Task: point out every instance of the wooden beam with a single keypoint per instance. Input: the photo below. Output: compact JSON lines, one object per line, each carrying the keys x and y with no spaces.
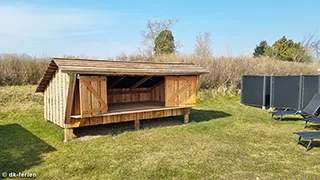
{"x":157,"y":84}
{"x":72,"y":83}
{"x":140,"y":82}
{"x":116,"y":82}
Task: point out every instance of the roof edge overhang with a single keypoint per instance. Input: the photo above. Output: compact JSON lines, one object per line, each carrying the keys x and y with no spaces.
{"x":53,"y":67}
{"x":137,"y":72}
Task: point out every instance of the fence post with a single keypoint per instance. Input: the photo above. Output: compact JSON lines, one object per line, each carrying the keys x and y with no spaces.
{"x":319,"y":84}
{"x":300,"y":102}
{"x":271,"y":91}
{"x":264,"y":92}
{"x":242,"y":79}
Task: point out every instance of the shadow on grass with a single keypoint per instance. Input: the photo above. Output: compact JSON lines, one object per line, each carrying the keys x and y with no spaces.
{"x":20,"y":149}
{"x":315,"y":144}
{"x":196,"y":115}
{"x":298,"y":118}
{"x":313,"y":126}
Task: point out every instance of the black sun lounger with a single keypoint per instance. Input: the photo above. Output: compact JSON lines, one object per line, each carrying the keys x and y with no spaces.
{"x":309,"y":111}
{"x":313,"y":120}
{"x":307,"y":135}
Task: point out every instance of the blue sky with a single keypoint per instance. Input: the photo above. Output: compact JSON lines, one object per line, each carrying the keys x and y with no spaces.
{"x":107,"y":28}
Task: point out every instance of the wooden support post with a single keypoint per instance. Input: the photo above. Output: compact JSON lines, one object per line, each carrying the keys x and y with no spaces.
{"x":186,"y":115}
{"x":186,"y":118}
{"x":137,"y":124}
{"x":68,"y":134}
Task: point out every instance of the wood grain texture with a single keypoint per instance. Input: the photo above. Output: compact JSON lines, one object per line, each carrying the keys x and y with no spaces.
{"x":180,"y":90}
{"x":127,"y":116}
{"x":93,"y":92}
{"x":69,"y":104}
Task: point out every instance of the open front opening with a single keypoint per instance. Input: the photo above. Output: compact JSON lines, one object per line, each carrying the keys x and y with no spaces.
{"x":123,"y":93}
{"x":134,"y":89}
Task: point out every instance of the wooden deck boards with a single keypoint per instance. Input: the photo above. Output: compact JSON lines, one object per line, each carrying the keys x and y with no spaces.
{"x":136,"y":107}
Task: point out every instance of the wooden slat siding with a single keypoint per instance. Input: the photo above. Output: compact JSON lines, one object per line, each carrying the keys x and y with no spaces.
{"x":80,"y":122}
{"x":58,"y":94}
{"x":62,"y":98}
{"x":56,"y":98}
{"x":84,"y":105}
{"x":67,"y":81}
{"x":103,"y":91}
{"x":157,"y":93}
{"x":91,"y":99}
{"x":50,"y":102}
{"x":180,"y":90}
{"x":45,"y":104}
{"x":53,"y":99}
{"x":120,"y":95}
{"x":70,"y":95}
{"x":56,"y":113}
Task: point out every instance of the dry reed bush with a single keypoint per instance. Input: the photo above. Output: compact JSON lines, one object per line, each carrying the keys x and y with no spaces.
{"x":18,"y":69}
{"x":224,"y":75}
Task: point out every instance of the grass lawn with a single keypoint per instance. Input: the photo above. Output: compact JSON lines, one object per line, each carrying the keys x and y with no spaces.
{"x":224,"y":140}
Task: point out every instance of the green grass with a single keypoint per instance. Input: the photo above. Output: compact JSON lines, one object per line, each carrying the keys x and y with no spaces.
{"x":224,"y":140}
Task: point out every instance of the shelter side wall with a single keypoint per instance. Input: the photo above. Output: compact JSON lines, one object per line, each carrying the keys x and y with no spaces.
{"x":55,"y":98}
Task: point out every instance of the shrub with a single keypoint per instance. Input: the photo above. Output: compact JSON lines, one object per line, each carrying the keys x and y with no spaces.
{"x":21,"y":69}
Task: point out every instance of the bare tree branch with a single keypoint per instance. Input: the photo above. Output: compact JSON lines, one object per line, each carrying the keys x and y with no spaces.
{"x":203,"y":45}
{"x":153,"y":28}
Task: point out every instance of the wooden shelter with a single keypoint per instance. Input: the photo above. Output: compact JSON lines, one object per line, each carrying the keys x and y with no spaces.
{"x":86,"y":92}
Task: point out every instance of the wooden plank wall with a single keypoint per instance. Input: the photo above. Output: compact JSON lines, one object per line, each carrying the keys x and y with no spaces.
{"x":80,"y":122}
{"x":93,"y":95}
{"x":158,"y":93}
{"x":124,"y":95}
{"x":180,"y":90}
{"x":55,"y":96}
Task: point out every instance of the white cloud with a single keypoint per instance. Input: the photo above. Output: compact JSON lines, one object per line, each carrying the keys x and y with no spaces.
{"x":99,"y":49}
{"x":57,"y":31}
{"x":25,"y":21}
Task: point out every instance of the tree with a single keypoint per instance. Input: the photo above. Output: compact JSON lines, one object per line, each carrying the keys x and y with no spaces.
{"x":260,"y":49}
{"x":153,"y":29}
{"x":315,"y":45}
{"x":203,"y":45}
{"x":164,"y":43}
{"x":288,"y":50}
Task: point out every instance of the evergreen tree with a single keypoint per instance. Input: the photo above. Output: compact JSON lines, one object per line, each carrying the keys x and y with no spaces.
{"x":164,"y":43}
{"x":288,"y":50}
{"x":260,"y":49}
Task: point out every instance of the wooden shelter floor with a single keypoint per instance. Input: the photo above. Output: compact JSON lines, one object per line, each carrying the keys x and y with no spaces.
{"x":133,"y":107}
